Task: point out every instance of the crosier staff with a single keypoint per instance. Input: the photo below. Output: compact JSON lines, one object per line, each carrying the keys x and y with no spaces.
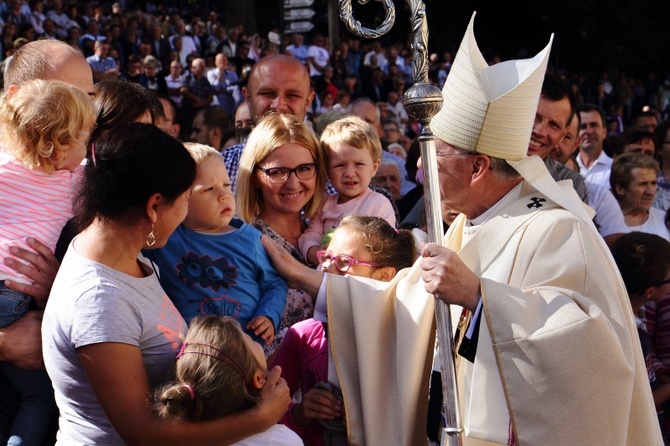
{"x":422,"y":102}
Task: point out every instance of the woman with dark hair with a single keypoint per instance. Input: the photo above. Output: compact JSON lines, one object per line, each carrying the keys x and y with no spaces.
{"x":110,"y":334}
{"x":119,"y":101}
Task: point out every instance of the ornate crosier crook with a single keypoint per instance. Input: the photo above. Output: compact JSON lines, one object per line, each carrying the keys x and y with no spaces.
{"x":422,"y":102}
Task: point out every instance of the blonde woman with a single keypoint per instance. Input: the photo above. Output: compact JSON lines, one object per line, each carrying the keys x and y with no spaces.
{"x":281,"y":184}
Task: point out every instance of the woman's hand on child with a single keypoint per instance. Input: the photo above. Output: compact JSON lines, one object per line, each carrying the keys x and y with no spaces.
{"x":263,"y":328}
{"x":297,"y":275}
{"x":275,"y":397}
{"x":317,"y":404}
{"x":41,"y":269}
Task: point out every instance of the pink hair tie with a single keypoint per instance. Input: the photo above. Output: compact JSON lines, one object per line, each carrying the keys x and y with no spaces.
{"x":93,"y":152}
{"x":190,"y":390}
{"x":181,"y":350}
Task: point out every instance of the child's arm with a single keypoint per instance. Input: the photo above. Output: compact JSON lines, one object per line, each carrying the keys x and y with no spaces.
{"x":273,"y":289}
{"x":313,"y":235}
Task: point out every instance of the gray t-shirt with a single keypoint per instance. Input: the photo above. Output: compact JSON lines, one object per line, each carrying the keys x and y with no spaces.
{"x":91,"y":303}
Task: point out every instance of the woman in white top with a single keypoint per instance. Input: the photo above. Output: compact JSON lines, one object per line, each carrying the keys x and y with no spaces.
{"x":634,"y":184}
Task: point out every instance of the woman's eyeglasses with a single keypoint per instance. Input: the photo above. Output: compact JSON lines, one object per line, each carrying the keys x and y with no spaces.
{"x":342,"y":262}
{"x":303,"y":172}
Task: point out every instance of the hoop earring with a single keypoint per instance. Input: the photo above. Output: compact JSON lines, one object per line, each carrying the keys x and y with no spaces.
{"x":151,"y":238}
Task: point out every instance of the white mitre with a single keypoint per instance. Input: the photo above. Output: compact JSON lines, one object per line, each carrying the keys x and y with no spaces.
{"x":491,"y":110}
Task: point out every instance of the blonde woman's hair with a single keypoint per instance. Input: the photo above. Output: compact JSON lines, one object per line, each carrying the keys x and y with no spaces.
{"x":352,"y":131}
{"x":213,"y":373}
{"x":200,"y":152}
{"x":273,"y":131}
{"x":40,"y":118}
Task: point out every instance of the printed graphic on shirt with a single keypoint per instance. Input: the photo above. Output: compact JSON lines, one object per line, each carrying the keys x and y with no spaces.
{"x":206,"y":272}
{"x":171,"y":328}
{"x":220,"y":306}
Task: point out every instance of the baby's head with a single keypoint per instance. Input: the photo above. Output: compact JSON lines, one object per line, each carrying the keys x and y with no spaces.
{"x":352,"y":150}
{"x":219,"y":370}
{"x":368,"y":247}
{"x":46,"y":124}
{"x":212,"y":204}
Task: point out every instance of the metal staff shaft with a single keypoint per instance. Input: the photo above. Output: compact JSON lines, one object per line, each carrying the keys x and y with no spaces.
{"x":422,"y":101}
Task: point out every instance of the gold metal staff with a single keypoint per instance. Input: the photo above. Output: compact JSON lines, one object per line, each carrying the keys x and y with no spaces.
{"x":422,"y":101}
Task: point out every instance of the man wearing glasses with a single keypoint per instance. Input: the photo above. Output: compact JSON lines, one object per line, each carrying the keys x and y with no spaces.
{"x":548,"y":351}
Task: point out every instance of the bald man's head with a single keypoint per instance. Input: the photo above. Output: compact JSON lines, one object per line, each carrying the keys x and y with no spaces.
{"x":50,"y":59}
{"x":278,"y":83}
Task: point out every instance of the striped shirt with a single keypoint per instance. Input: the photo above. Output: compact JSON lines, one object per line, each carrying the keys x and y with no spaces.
{"x":34,"y":204}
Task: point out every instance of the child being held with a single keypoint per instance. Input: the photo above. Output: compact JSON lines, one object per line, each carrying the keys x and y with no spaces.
{"x":352,"y":150}
{"x":45,"y":127}
{"x":213,"y":263}
{"x":643,"y":260}
{"x":360,"y":246}
{"x":219,"y":370}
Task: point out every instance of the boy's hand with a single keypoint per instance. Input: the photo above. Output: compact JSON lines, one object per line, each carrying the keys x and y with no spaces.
{"x":263,"y":328}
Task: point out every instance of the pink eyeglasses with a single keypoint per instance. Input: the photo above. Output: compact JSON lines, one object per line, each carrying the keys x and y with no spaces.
{"x":342,"y":261}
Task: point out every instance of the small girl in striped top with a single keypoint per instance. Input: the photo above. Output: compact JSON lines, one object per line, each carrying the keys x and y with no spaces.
{"x":44,"y":129}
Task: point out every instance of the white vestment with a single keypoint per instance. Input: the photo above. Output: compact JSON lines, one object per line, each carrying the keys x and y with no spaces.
{"x":558,"y":358}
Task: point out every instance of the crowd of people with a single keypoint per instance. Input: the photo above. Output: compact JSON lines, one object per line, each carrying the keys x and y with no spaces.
{"x":223,"y":219}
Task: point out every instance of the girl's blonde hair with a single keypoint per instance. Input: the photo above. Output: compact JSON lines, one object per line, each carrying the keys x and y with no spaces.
{"x":200,"y":152}
{"x":213,"y":373}
{"x":273,"y":131}
{"x":40,"y":118}
{"x":353,"y":131}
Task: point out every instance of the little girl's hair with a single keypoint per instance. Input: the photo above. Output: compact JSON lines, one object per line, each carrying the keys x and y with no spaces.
{"x":212,"y":374}
{"x":40,"y":118}
{"x":353,"y":131}
{"x":386,"y":245}
{"x":200,"y":152}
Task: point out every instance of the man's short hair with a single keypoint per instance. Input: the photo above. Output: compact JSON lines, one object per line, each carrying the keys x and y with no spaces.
{"x":35,"y":59}
{"x":594,"y":108}
{"x":555,"y":89}
{"x":215,"y":117}
{"x":643,"y":260}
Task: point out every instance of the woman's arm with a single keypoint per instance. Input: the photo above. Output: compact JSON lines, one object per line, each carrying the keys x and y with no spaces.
{"x":120,"y":383}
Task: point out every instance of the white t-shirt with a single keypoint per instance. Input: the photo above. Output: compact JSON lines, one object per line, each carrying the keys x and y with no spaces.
{"x":609,"y":218}
{"x":655,"y":224}
{"x":92,"y":303}
{"x":277,"y":435}
{"x":321,"y":57}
